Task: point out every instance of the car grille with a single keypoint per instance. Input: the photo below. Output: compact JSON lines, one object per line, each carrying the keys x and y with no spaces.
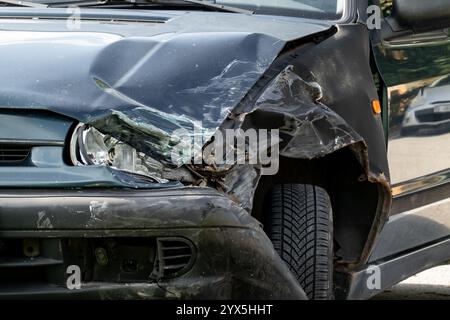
{"x":12,"y":153}
{"x":33,"y":262}
{"x":175,"y":257}
{"x":24,"y":261}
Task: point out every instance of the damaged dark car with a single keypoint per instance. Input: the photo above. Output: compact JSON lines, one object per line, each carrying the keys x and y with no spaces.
{"x":113,"y":115}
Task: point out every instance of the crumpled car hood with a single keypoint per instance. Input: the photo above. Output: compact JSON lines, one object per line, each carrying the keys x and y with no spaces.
{"x":178,"y":73}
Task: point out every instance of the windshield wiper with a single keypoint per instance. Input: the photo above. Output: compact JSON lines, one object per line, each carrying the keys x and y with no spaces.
{"x":94,"y":3}
{"x":208,"y":4}
{"x":20,"y":3}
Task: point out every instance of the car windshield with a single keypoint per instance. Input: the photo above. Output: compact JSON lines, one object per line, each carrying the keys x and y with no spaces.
{"x":315,"y":9}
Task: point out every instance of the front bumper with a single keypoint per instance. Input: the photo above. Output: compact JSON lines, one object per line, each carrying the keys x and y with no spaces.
{"x":232,"y":256}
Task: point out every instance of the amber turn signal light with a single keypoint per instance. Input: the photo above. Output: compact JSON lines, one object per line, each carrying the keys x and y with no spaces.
{"x":376,"y":106}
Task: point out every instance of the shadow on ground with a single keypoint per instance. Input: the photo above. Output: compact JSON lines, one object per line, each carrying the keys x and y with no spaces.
{"x":415,"y":292}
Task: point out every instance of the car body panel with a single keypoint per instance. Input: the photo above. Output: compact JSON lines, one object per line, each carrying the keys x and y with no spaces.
{"x":414,"y":69}
{"x":46,"y":129}
{"x":410,"y":69}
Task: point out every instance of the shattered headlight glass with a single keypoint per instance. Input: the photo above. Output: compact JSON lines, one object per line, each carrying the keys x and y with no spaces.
{"x":91,"y":147}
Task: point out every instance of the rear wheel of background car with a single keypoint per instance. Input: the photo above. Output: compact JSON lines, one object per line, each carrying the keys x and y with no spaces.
{"x":299,"y":222}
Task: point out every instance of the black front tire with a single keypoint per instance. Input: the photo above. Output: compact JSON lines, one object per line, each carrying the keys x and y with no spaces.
{"x":300,"y":225}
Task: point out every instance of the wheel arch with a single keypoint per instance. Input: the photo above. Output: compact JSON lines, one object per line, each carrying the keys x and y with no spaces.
{"x":359,"y":202}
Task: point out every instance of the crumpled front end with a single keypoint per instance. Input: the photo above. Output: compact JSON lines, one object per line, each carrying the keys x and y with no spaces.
{"x":119,"y":178}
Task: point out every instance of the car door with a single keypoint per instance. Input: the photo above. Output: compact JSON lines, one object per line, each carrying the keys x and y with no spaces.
{"x":415,"y":69}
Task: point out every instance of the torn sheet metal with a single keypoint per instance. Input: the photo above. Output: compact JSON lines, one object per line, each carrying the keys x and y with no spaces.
{"x":308,"y":129}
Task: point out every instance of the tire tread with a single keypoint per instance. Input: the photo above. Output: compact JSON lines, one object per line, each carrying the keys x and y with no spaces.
{"x":300,"y":227}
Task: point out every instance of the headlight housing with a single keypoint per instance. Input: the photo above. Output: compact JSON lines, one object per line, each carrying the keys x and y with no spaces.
{"x":89,"y":146}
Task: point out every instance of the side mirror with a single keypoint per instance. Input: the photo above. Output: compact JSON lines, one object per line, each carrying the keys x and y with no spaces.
{"x":422,"y":15}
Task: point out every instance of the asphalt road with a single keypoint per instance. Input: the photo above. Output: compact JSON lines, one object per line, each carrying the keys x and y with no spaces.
{"x":433,"y":284}
{"x":412,"y":157}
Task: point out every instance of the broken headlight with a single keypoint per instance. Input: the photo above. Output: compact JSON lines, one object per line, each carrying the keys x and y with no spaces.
{"x":91,"y":147}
